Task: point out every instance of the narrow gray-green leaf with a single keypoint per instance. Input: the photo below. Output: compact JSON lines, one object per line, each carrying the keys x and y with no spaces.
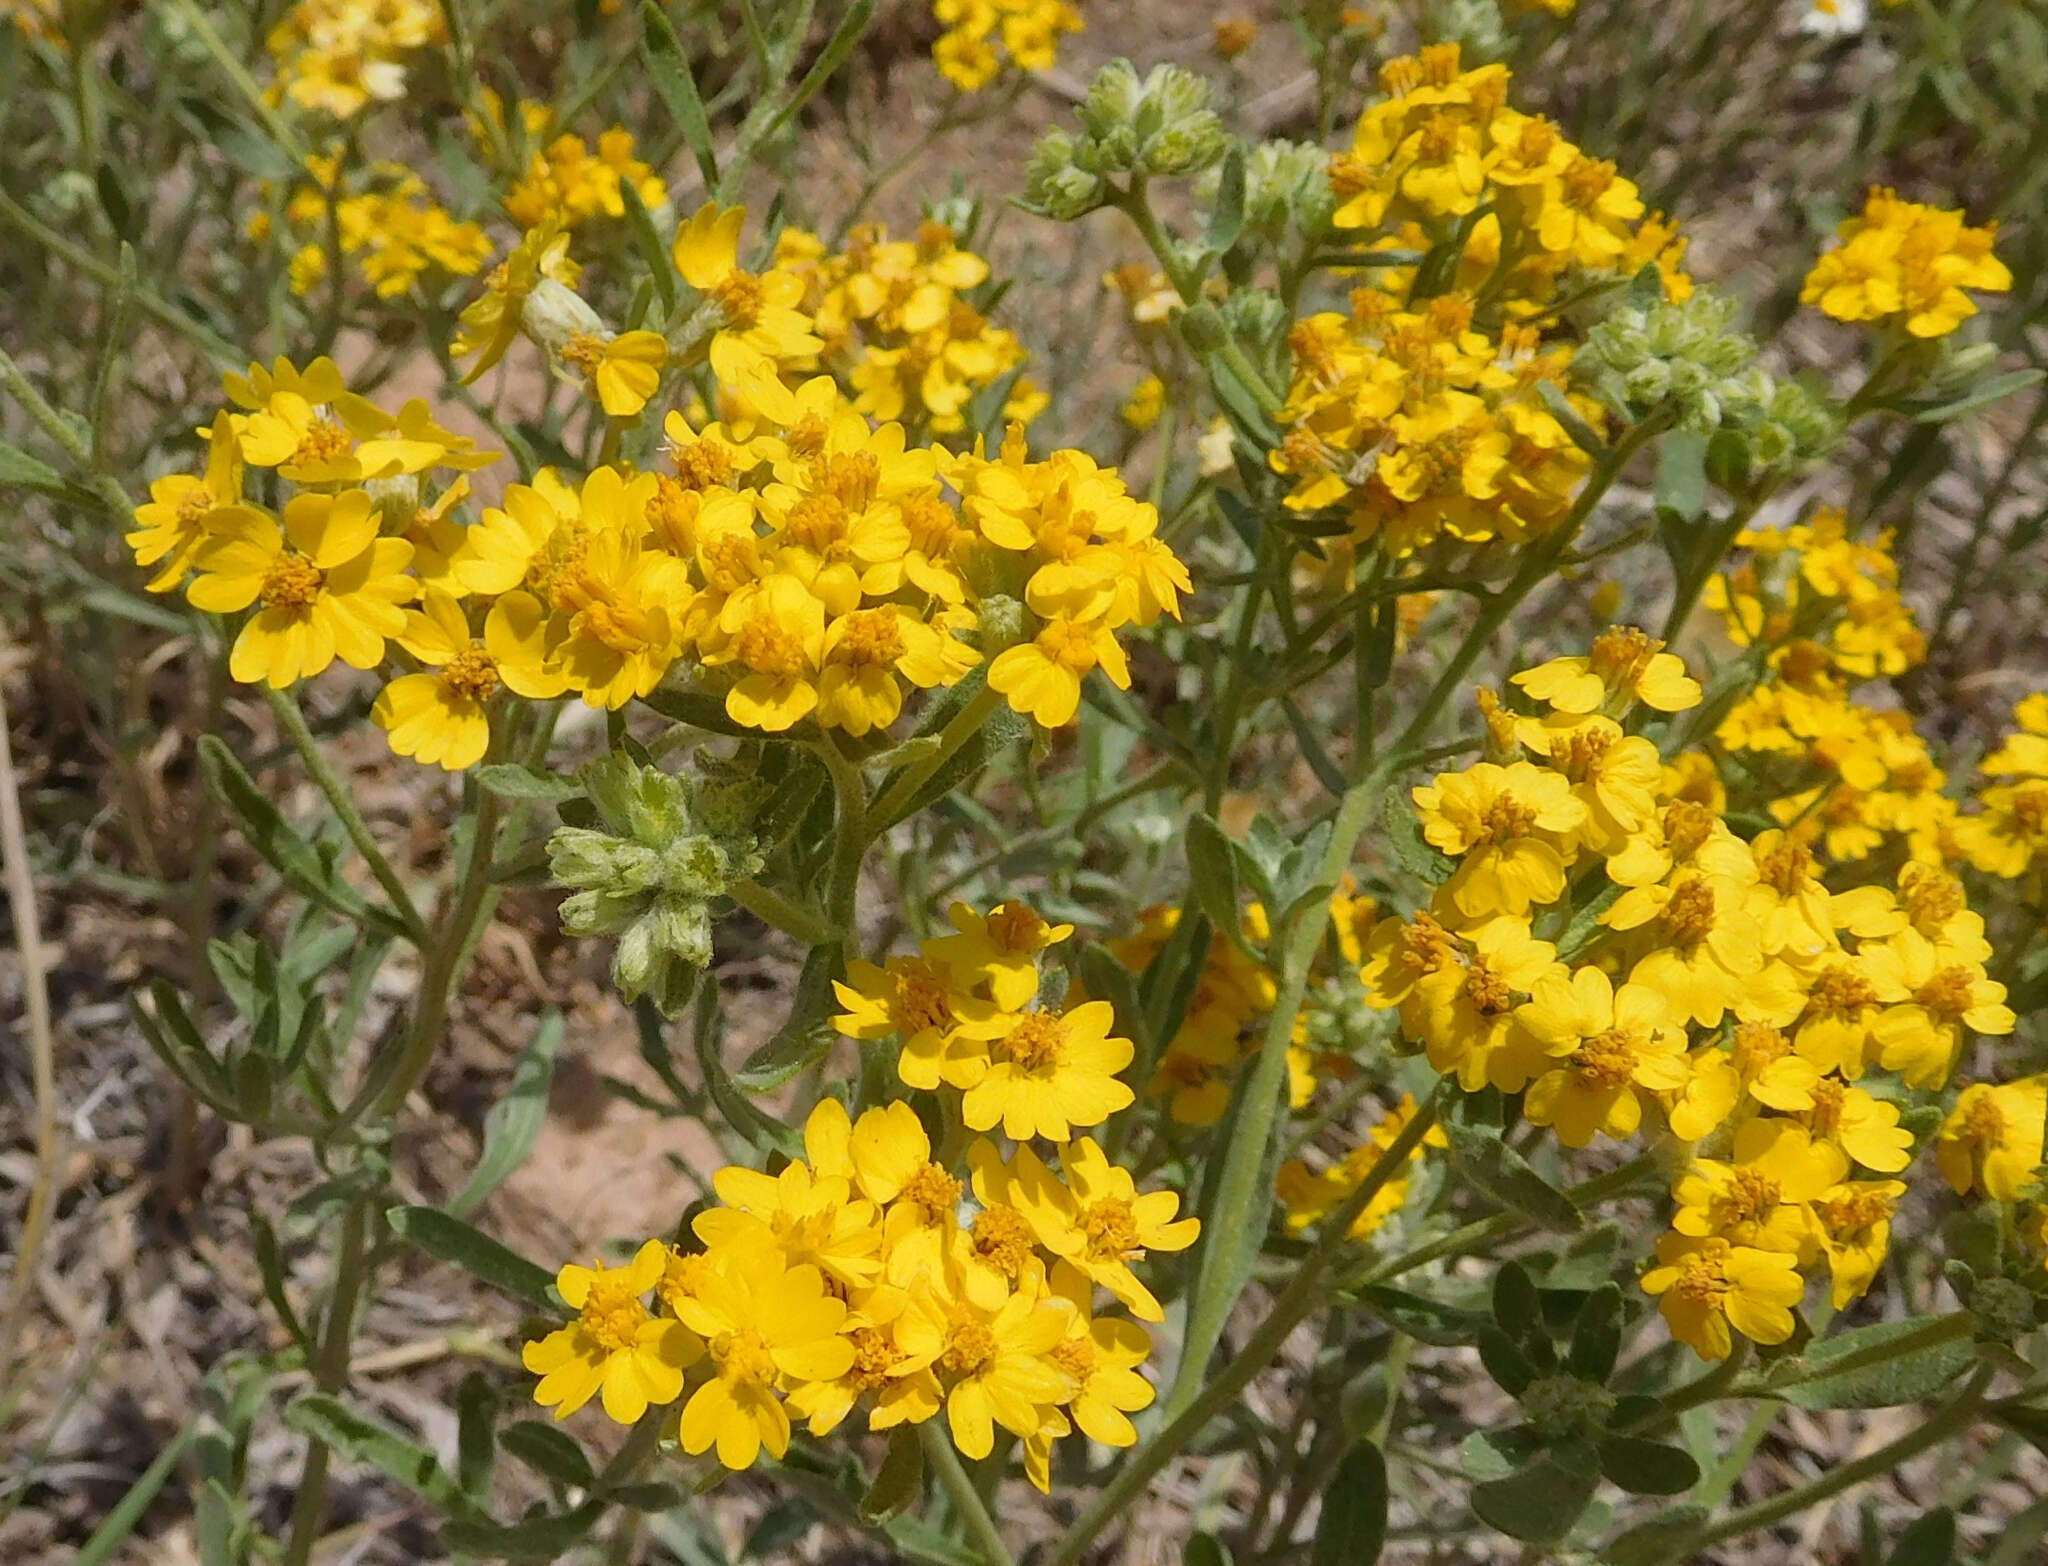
{"x":515,"y":1120}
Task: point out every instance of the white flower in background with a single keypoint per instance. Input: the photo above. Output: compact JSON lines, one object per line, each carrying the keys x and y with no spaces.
{"x":1835,"y":18}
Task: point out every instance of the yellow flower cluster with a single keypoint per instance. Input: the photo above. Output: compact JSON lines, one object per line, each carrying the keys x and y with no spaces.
{"x":897,"y":326}
{"x":336,"y":56}
{"x":1406,"y":412}
{"x":980,"y":35}
{"x":2009,"y":838}
{"x":805,"y":560}
{"x":1901,"y":263}
{"x":859,"y":1278}
{"x":328,"y":571}
{"x":565,"y":182}
{"x":395,"y":229}
{"x":1723,"y":991}
{"x":1826,"y":611}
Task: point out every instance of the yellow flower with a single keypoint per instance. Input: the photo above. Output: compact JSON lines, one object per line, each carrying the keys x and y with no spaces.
{"x":621,"y":372}
{"x":1095,"y":1221}
{"x":812,"y":1221}
{"x":614,"y":1345}
{"x":1147,"y":401}
{"x":1042,"y":677}
{"x":1000,"y":948}
{"x":173,"y":522}
{"x":1855,"y":1221}
{"x":762,"y":326}
{"x":1760,"y":1200}
{"x":1624,"y":666}
{"x":1505,"y":822}
{"x":328,"y":586}
{"x":773,"y":631}
{"x":440,"y":719}
{"x":1706,"y":1286}
{"x":945,"y":1029}
{"x":1865,"y":1128}
{"x":1309,"y":1197}
{"x":766,"y":1324}
{"x":1102,"y":1355}
{"x":1938,"y":991}
{"x":1991,"y":1141}
{"x":1609,"y":1043}
{"x":1051,"y":1072}
{"x":1464,"y":1012}
{"x":996,"y":1363}
{"x":1705,"y":953}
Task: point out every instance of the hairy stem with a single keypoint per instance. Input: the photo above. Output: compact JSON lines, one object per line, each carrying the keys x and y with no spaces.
{"x":967,"y":1501}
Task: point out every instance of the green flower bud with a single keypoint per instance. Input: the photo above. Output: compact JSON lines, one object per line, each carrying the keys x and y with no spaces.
{"x":666,"y":847}
{"x":1002,"y":624}
{"x":1201,"y":327}
{"x":1475,"y":26}
{"x":1055,"y":182}
{"x":1558,"y":1406}
{"x":1112,"y":101}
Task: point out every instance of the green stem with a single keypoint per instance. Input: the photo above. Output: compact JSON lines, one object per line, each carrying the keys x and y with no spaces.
{"x":959,"y":729}
{"x":1217,"y":1286}
{"x":474,"y":898}
{"x":787,"y":916}
{"x":938,"y":1451}
{"x":330,"y":1374}
{"x":849,"y":840}
{"x":293,"y":721}
{"x":1951,"y":1419}
{"x":1301,"y":1298}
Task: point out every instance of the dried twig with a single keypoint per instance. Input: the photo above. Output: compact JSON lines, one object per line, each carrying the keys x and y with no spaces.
{"x":21,"y":898}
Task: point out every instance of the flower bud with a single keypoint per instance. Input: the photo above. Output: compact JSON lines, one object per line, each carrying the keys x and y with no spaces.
{"x":553,"y":313}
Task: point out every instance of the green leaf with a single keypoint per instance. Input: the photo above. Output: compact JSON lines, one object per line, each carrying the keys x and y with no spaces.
{"x":781,"y":1529}
{"x":476,"y":1451}
{"x":1682,"y":474}
{"x":1583,"y":435}
{"x":365,"y":1440}
{"x":1517,"y":1310}
{"x":849,"y":31}
{"x":510,"y":780}
{"x":2027,"y":1422}
{"x":899,"y":1482}
{"x":270,"y":1265}
{"x":660,"y":266}
{"x":515,"y":1120}
{"x":1205,"y":1549}
{"x":670,"y":67}
{"x":1596,"y":1335}
{"x":537,"y":1538}
{"x":19,"y":468}
{"x":1412,"y":851}
{"x":1226,"y":221}
{"x":305,"y":869}
{"x":1212,"y":875}
{"x":1497,"y":1169}
{"x":702,"y":710}
{"x":1907,"y":1379}
{"x":1647,"y":1467}
{"x":169,"y":1029}
{"x":1353,"y":1527}
{"x":1540,"y":1503}
{"x":1929,"y":1540}
{"x":760,"y":1129}
{"x":1494,"y":1454}
{"x":549,"y":1451}
{"x":1424,"y":1319}
{"x":455,"y":1242}
{"x":1996,"y":389}
{"x":1663,"y":1540}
